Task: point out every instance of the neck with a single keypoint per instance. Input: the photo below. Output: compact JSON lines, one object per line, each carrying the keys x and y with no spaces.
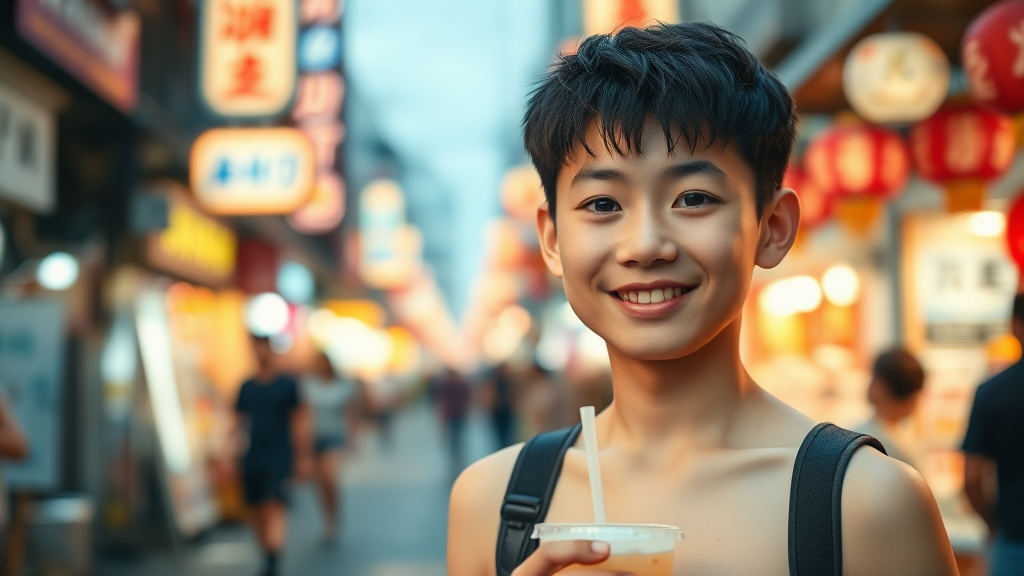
{"x":691,"y":400}
{"x":265,"y":374}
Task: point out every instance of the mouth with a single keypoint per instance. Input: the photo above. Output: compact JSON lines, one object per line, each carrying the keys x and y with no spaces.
{"x":651,"y":295}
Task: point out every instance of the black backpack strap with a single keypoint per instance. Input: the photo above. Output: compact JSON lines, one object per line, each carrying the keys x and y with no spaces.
{"x":815,"y":499}
{"x":529,"y":495}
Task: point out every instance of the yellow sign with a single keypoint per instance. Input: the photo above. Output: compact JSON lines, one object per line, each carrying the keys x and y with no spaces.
{"x":248,"y":56}
{"x":252,"y":170}
{"x":194,"y":246}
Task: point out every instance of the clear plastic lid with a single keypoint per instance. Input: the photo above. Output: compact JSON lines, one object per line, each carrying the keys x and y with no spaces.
{"x":624,"y":538}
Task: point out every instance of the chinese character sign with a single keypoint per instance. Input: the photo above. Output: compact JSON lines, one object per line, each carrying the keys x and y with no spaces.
{"x":248,"y":56}
{"x":252,"y":170}
{"x":317,"y":112}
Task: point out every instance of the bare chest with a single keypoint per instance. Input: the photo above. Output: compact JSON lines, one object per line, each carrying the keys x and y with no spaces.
{"x":732,"y":506}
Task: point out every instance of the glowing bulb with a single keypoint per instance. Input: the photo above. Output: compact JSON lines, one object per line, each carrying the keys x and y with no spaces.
{"x":790,"y":296}
{"x":267,"y":314}
{"x":987,"y":224}
{"x":58,"y":271}
{"x":841,"y":285}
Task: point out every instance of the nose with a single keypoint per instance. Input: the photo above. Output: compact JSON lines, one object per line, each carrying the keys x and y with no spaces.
{"x":645,"y":241}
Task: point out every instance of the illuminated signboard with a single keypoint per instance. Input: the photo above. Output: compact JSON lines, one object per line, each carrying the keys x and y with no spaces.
{"x":390,"y":250}
{"x":193,"y":245}
{"x":248,"y":56}
{"x":252,"y":170}
{"x":99,"y":48}
{"x":317,"y":112}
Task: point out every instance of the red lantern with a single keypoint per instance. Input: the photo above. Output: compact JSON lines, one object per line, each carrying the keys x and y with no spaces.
{"x":857,"y":167}
{"x":813,"y":205}
{"x":962,"y":147}
{"x":993,"y":57}
{"x":1015,"y":231}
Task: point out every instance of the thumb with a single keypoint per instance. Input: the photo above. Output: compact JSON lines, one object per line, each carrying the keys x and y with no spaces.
{"x":553,"y":556}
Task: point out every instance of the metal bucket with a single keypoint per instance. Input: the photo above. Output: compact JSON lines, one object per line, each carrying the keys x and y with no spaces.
{"x":60,"y":536}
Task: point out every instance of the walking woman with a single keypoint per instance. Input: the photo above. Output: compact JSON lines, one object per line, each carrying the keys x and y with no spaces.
{"x":329,"y":397}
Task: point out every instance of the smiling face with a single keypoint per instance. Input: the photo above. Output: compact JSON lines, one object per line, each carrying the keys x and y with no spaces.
{"x":656,"y":250}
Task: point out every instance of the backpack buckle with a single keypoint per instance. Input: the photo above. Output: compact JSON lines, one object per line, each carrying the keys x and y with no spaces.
{"x":520,"y":509}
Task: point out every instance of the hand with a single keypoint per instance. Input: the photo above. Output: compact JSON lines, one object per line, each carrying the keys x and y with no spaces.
{"x":551,"y":557}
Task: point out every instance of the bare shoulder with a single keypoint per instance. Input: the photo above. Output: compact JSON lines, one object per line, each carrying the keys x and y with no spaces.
{"x":474,"y":512}
{"x":891,"y":524}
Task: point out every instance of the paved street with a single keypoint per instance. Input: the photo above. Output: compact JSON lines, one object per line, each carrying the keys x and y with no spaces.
{"x":395,"y":514}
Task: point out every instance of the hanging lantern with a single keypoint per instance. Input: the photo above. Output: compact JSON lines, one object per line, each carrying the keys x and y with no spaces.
{"x":896,"y":77}
{"x":857,"y":167}
{"x":813,"y":205}
{"x":1015,"y":231}
{"x":962,"y":147}
{"x":993,"y":56}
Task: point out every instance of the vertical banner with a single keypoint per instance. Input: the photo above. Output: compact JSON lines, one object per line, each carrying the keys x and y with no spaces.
{"x":317,"y":112}
{"x":31,"y":376}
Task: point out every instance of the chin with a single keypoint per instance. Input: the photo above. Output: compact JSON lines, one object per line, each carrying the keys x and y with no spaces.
{"x":655,"y":347}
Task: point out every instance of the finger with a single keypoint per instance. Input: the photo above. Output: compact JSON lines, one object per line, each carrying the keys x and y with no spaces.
{"x":551,"y":557}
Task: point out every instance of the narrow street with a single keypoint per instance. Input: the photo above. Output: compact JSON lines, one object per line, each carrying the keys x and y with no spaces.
{"x":395,"y":514}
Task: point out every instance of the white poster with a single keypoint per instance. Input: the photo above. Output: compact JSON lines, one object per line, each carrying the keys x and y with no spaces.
{"x":31,"y":375}
{"x":27,"y":151}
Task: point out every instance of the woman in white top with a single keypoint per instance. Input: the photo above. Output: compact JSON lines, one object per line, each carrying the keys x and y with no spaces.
{"x":328,"y":397}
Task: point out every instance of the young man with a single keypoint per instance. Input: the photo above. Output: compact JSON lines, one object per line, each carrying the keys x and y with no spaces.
{"x":661,"y":152}
{"x":279,"y":448}
{"x":896,"y":383}
{"x":994,"y":456}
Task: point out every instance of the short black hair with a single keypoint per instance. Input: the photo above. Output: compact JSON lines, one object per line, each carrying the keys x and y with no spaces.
{"x":697,"y":80}
{"x":1018,"y":307}
{"x":900,"y":372}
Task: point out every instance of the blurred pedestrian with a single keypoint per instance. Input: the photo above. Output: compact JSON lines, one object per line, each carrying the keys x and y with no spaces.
{"x":994,"y":456}
{"x":543,"y":403}
{"x":13,"y":446}
{"x":502,"y":387}
{"x":897,"y":380}
{"x":330,"y":401}
{"x":279,"y":446}
{"x":452,"y":394}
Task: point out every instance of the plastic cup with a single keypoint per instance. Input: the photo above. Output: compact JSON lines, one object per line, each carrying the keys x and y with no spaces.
{"x":641,"y":549}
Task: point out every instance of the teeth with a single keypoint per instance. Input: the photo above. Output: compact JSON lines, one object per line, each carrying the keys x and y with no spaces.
{"x":652,"y":296}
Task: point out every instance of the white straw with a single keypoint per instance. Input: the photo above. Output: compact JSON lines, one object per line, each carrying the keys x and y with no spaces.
{"x":593,"y":467}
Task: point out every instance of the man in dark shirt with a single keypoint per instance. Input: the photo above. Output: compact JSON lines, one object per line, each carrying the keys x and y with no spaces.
{"x":994,"y":450}
{"x":279,"y":447}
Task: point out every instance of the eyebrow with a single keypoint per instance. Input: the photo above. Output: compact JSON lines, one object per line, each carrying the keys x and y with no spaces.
{"x":602,"y":174}
{"x":700,"y":166}
{"x":681,"y":170}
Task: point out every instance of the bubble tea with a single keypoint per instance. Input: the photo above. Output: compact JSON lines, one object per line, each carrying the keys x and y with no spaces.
{"x":640,"y":549}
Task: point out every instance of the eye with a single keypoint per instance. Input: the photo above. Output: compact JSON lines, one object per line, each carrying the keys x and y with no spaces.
{"x":694,"y":199}
{"x":602,"y":205}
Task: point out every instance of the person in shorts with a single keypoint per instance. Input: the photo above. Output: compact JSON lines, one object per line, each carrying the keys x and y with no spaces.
{"x":329,"y":398}
{"x":269,"y":410}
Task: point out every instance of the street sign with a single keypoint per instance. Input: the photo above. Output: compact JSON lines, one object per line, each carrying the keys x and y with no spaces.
{"x":252,"y":170}
{"x":247,"y":56}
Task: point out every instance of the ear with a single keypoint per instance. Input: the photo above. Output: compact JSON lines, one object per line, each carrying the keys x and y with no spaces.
{"x":779,"y":223}
{"x":548,"y":240}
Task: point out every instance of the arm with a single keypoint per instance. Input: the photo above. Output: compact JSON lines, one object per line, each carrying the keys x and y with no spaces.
{"x":474,"y":516}
{"x":13,"y":443}
{"x":979,"y":483}
{"x":891,"y":524}
{"x":302,"y":440}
